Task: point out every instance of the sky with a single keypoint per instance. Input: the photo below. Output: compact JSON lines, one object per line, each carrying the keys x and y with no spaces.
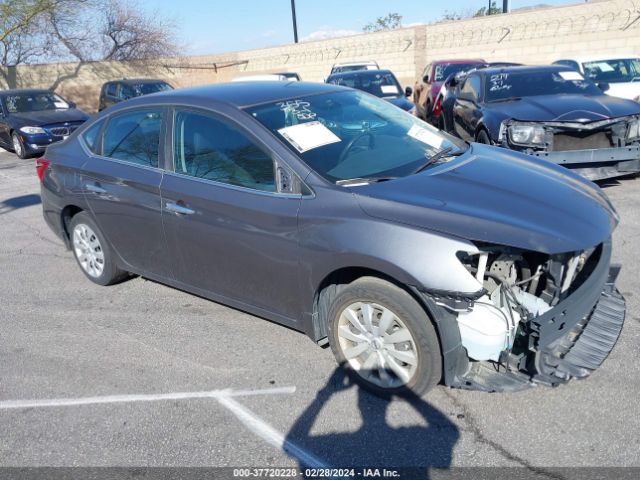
{"x":218,"y":26}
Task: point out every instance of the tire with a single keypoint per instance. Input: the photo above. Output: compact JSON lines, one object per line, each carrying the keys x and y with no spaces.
{"x":92,"y":252}
{"x":362,"y":350}
{"x":483,"y":137}
{"x":18,"y":146}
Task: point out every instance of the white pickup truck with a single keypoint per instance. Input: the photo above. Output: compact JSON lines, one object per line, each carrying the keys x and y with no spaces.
{"x":620,"y":72}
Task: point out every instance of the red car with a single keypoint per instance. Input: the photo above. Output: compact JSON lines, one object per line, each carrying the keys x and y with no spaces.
{"x":427,"y":87}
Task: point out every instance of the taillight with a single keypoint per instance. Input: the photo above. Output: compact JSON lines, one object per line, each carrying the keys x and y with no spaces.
{"x":41,"y":165}
{"x":438,"y":108}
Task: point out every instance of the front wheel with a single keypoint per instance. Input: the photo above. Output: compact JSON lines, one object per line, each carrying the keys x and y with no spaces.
{"x":18,"y":146}
{"x":483,"y":137}
{"x":384,"y":338}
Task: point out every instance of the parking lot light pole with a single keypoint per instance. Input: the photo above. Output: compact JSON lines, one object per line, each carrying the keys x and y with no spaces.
{"x":293,"y":17}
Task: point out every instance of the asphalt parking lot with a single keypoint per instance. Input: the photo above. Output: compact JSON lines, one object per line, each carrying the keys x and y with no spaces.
{"x":93,"y":376}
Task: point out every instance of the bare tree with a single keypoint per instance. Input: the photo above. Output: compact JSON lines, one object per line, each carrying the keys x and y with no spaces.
{"x":388,"y":22}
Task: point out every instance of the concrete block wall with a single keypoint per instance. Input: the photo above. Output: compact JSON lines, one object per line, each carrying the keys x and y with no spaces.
{"x":531,"y":37}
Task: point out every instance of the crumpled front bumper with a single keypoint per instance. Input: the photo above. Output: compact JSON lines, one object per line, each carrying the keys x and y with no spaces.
{"x":569,"y":341}
{"x":597,"y":164}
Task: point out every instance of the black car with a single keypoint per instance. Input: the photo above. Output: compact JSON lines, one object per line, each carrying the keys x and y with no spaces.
{"x":381,"y":83}
{"x":551,"y":112}
{"x":31,"y":120}
{"x":417,"y":257}
{"x":120,"y":90}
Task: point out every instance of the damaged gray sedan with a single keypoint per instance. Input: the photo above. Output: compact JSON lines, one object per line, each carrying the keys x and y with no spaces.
{"x":417,"y":257}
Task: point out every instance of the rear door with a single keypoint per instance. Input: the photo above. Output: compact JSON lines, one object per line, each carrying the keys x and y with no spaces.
{"x":230,"y":233}
{"x":122,"y":187}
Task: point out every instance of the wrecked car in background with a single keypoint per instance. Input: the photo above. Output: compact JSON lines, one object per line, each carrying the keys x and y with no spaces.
{"x":418,"y":257}
{"x":551,"y":112}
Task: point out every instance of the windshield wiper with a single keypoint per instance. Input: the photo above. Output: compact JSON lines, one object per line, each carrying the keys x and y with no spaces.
{"x":363,"y":181}
{"x":506,"y":99}
{"x":445,"y":152}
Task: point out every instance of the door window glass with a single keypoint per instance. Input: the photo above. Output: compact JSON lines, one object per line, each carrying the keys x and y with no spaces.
{"x":134,"y":137}
{"x":208,"y":148}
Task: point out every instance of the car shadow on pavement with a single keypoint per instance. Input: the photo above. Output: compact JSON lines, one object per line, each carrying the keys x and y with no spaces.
{"x":376,"y":444}
{"x":15,"y":203}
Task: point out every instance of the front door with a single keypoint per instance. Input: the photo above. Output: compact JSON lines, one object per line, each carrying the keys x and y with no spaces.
{"x":229,"y":232}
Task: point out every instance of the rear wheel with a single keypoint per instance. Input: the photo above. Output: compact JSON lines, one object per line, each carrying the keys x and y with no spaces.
{"x":93,"y":254}
{"x":384,"y":338}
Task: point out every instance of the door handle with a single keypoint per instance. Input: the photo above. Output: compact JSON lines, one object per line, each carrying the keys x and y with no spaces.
{"x":94,"y":188}
{"x":178,"y":209}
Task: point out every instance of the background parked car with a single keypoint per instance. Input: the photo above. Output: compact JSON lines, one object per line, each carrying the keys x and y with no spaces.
{"x":551,"y":112}
{"x":381,"y":83}
{"x":119,"y":90}
{"x":32,"y":119}
{"x":354,"y":66}
{"x":428,"y":85}
{"x":621,"y":72}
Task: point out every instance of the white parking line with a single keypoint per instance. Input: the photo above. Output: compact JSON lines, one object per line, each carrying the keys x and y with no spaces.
{"x":224,"y":397}
{"x":269,"y":434}
{"x":67,"y":402}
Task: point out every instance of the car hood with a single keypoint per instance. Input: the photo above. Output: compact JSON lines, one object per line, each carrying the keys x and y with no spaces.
{"x":565,"y":108}
{"x":401,"y":102}
{"x":47,"y":117}
{"x":494,"y":195}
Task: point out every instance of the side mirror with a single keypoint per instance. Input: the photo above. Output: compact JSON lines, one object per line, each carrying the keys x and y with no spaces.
{"x":603,"y":86}
{"x":425,"y":79}
{"x":408,"y":91}
{"x":71,"y":104}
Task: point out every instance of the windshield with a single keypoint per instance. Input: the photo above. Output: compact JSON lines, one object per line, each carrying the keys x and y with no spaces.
{"x":442,"y":70}
{"x":147,"y":88}
{"x":508,"y":85}
{"x":613,"y":71}
{"x":349,"y":135}
{"x":34,"y":102}
{"x":378,"y":84}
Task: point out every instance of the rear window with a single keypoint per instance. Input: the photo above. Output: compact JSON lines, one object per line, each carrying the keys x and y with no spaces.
{"x":90,"y":136}
{"x":134,"y":137}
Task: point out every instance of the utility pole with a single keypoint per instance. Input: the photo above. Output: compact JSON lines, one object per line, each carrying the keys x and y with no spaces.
{"x":489,"y":8}
{"x":506,"y":6}
{"x":295,"y":24}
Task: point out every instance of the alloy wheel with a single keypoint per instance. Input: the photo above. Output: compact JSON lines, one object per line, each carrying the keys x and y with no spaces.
{"x":377,"y":344}
{"x":17,"y":146}
{"x":88,"y":250}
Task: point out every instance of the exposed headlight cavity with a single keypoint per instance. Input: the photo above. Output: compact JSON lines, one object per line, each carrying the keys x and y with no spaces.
{"x":633,"y":130}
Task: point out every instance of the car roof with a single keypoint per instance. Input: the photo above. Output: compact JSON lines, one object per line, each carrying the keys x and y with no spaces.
{"x":352,"y":64}
{"x":601,"y":57}
{"x":240,"y":94}
{"x":458,"y":60}
{"x":136,"y":81}
{"x":17,"y":91}
{"x":356,"y":73}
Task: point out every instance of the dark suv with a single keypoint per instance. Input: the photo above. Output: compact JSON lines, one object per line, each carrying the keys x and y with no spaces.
{"x":119,"y":90}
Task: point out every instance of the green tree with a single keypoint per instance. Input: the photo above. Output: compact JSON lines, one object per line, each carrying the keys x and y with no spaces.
{"x":388,"y":22}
